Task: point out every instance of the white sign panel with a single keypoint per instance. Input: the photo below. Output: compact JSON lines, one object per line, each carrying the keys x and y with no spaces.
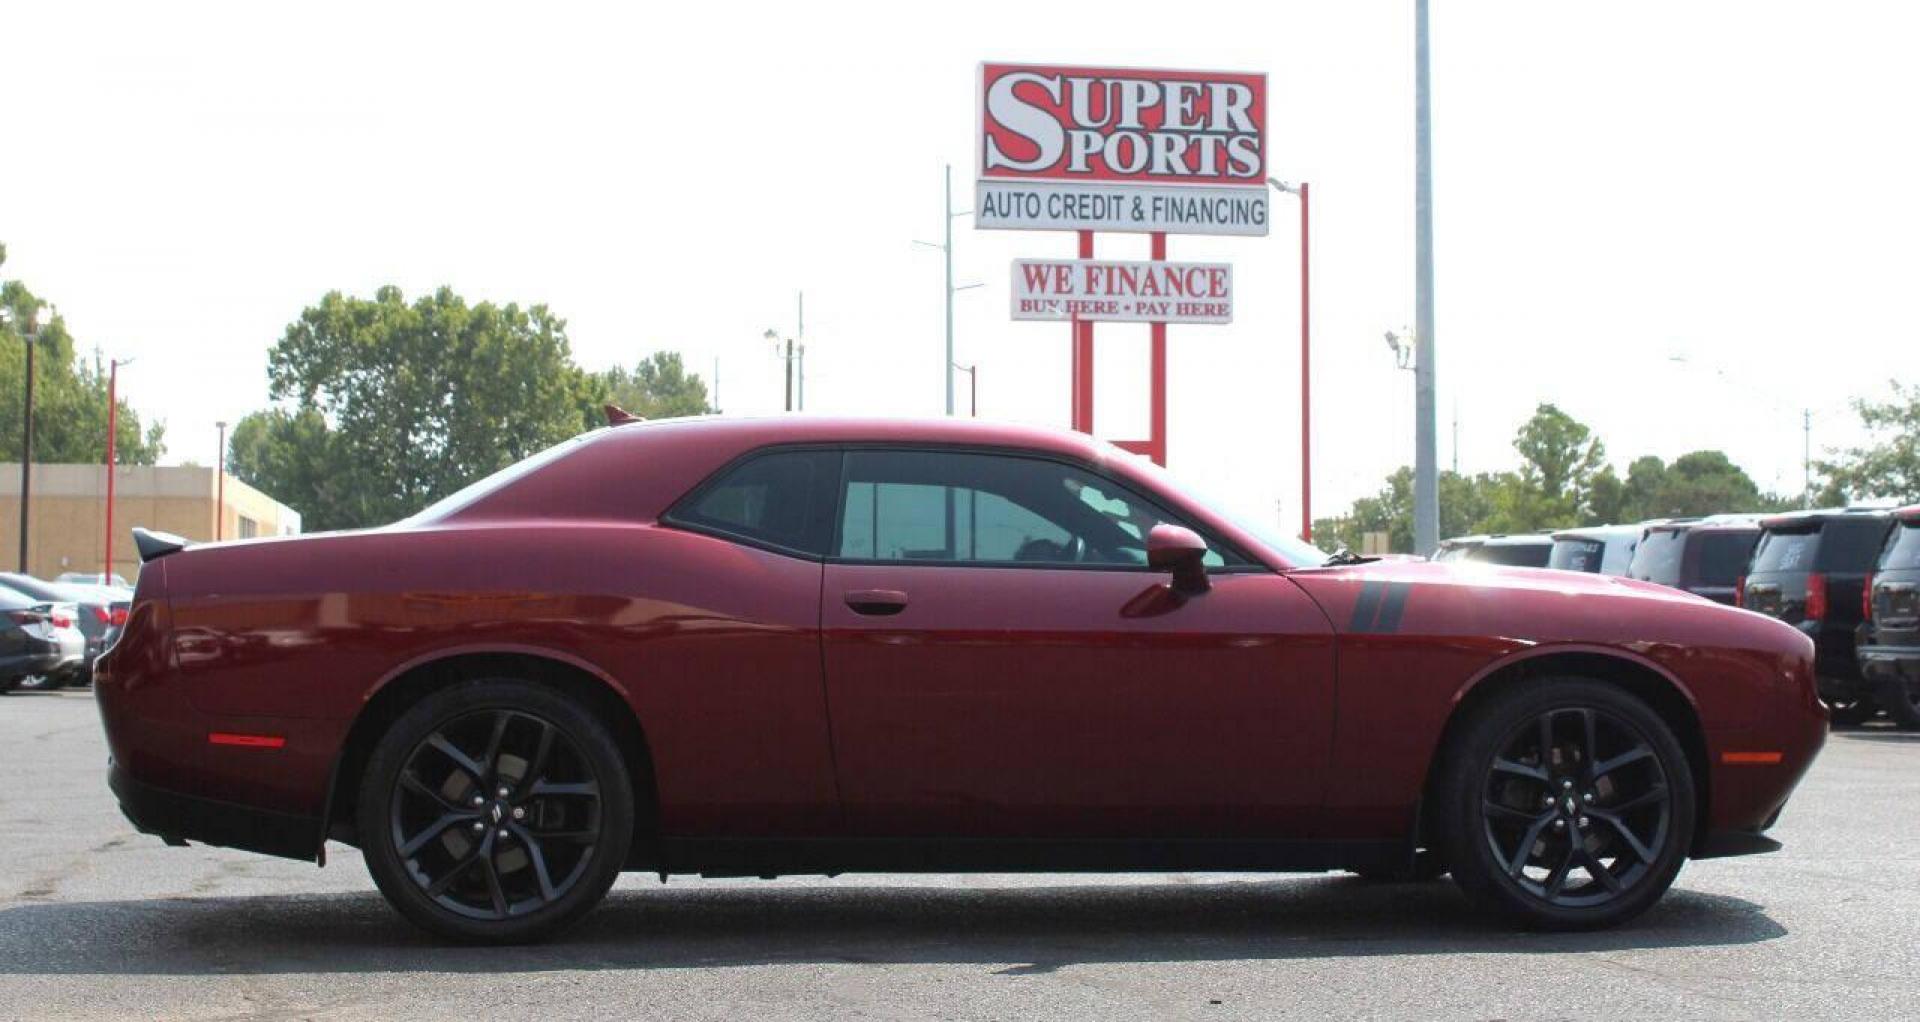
{"x":1121,"y":149}
{"x":1125,"y":292}
{"x":1187,"y":209}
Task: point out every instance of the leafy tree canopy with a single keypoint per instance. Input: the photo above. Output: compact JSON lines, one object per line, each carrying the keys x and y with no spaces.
{"x":69,"y":395}
{"x":658,"y":388}
{"x":1886,"y":468}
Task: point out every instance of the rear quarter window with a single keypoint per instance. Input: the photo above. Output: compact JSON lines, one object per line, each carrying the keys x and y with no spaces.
{"x":1852,"y":544}
{"x":1512,"y":555}
{"x":781,"y":499}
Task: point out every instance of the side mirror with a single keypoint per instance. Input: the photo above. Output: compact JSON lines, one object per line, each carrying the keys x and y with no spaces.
{"x":1180,"y":551}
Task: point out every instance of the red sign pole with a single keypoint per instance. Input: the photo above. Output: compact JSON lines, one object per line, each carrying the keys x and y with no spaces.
{"x":1083,"y":358}
{"x":1157,"y":414}
{"x":113,"y":409}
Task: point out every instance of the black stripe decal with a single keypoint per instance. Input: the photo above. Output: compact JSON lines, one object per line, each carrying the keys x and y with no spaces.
{"x":1367,"y":606}
{"x":1390,"y":611}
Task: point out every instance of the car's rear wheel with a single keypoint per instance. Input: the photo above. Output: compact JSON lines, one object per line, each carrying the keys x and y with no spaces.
{"x":1851,"y":712}
{"x":1901,"y":696}
{"x":1566,"y":804}
{"x":495,"y":811}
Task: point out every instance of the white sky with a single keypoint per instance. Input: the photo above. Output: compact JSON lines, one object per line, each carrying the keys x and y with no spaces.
{"x":1615,"y":184}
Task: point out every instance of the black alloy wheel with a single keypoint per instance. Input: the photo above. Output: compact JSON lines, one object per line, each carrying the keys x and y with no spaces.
{"x":1573,"y":805}
{"x":496,"y":811}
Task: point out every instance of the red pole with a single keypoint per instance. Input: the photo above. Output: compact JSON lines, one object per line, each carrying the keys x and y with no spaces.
{"x":220,"y":488}
{"x":1306,"y":383}
{"x":113,"y":422}
{"x":1083,"y":358}
{"x":1157,"y":392}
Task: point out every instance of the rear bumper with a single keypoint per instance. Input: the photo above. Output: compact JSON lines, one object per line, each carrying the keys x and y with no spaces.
{"x":40,"y":662}
{"x":178,"y":817}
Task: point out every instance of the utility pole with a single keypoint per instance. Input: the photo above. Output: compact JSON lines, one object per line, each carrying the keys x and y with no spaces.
{"x":1426,"y":484}
{"x":113,"y":424}
{"x":800,"y":321}
{"x":1806,"y":457}
{"x":220,"y":486}
{"x":1456,"y":436}
{"x":716,"y":385}
{"x":946,"y":250}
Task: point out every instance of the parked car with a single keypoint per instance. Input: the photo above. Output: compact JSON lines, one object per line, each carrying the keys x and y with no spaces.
{"x":1525,"y":551}
{"x":114,"y":581}
{"x":1606,"y":549}
{"x":1704,"y":556}
{"x":33,"y":645}
{"x":1457,"y":548}
{"x":97,"y":610}
{"x":1889,"y":648}
{"x":1810,"y":570}
{"x":818,"y":645}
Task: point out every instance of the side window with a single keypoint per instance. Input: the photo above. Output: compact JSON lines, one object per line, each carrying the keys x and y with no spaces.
{"x":783,"y":499}
{"x":990,"y":509}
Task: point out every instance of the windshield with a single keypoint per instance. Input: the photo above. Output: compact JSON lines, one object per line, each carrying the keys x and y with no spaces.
{"x":1296,"y":551}
{"x":468,"y":494}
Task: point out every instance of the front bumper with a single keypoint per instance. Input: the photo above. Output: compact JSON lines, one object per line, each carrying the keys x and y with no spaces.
{"x":177,"y":818}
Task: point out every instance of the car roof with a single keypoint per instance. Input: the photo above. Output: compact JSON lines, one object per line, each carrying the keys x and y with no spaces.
{"x":1599,"y":532}
{"x":799,"y":428}
{"x":1815,"y":518}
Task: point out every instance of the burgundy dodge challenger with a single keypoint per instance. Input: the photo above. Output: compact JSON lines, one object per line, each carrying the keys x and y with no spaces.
{"x":809,"y":645}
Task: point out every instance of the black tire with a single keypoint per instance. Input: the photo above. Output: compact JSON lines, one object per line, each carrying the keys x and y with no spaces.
{"x":510,"y":868}
{"x":1851,"y":712}
{"x":8,"y":684}
{"x":1901,"y":697}
{"x":1524,"y":804}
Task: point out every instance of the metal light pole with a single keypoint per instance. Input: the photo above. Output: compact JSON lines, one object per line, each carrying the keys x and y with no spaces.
{"x":973,"y":386}
{"x":1426,"y":483}
{"x":37,"y":322}
{"x":1306,"y":362}
{"x":220,"y":486}
{"x":947,"y":216}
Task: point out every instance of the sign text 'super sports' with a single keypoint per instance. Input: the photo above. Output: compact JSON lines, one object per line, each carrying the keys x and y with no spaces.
{"x":1075,"y":148}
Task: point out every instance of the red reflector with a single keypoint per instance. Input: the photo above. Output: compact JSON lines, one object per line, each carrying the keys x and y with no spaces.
{"x":1750,"y":758}
{"x":1740,"y":591}
{"x":250,"y":741}
{"x":1866,"y":598}
{"x":61,"y":620}
{"x":119,"y":618}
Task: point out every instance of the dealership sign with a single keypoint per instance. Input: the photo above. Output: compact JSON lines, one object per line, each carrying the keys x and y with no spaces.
{"x":1105,"y":149}
{"x":1093,"y":289}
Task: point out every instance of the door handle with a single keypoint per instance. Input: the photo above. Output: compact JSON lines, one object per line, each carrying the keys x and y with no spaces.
{"x":876,"y":602}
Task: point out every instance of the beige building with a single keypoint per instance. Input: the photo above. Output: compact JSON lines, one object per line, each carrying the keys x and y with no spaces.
{"x":66,"y":528}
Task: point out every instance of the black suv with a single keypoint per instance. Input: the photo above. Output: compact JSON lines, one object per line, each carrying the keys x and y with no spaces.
{"x":1810,"y":570}
{"x":1704,"y":556}
{"x":1890,"y":640}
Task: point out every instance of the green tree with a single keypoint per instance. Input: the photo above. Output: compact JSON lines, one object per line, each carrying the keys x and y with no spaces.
{"x":69,"y":395}
{"x":658,"y":388}
{"x":390,"y":405}
{"x":1559,"y":458}
{"x":1886,"y":468}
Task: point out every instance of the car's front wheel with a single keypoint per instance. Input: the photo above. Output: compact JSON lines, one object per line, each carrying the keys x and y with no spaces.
{"x":495,"y":811}
{"x":1566,"y":804}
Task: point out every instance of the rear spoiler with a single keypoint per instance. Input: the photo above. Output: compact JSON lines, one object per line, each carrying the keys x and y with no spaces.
{"x":155,"y":545}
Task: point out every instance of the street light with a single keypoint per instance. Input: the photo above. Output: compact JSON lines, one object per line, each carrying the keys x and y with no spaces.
{"x":946,"y":249}
{"x":973,"y":387}
{"x":113,"y":426}
{"x":790,"y":356}
{"x":1306,"y":362}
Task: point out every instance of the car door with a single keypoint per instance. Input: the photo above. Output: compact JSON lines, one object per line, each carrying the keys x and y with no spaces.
{"x":1001,"y":663}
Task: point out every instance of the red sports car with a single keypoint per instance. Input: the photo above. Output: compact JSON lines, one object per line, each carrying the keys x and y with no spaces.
{"x":808,"y":645}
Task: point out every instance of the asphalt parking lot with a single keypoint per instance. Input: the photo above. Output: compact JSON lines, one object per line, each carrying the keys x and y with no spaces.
{"x":98,"y":921}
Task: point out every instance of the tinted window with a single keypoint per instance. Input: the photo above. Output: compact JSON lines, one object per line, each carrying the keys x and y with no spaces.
{"x":1852,"y":544}
{"x":1513,"y":555}
{"x":1576,"y":554}
{"x":1903,"y":549}
{"x":1723,"y":556}
{"x":1453,"y":553}
{"x":783,"y":499}
{"x":1786,"y":551}
{"x":990,"y":509}
{"x":1658,"y":557}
